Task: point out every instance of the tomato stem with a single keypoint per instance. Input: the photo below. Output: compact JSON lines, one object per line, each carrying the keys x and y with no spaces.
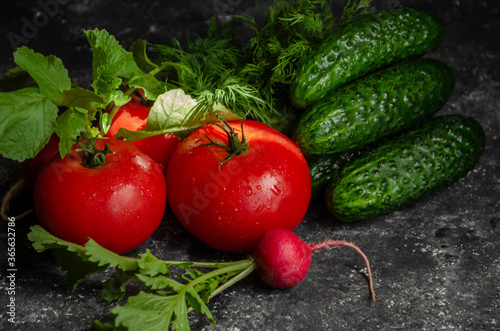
{"x":93,"y":157}
{"x":235,"y":146}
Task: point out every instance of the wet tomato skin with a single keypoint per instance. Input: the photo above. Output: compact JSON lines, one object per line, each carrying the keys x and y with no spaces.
{"x":133,"y":116}
{"x":119,"y":205}
{"x":229,"y":208}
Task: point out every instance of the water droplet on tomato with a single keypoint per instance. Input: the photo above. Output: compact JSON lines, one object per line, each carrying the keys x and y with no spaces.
{"x":276,"y":190}
{"x":248,"y":191}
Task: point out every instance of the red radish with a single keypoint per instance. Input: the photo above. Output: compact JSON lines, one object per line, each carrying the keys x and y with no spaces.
{"x":283,"y":259}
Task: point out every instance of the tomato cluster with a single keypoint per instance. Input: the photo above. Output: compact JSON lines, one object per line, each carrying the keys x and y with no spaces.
{"x":228,"y":184}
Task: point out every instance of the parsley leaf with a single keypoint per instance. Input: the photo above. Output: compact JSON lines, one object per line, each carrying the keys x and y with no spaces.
{"x":165,"y":300}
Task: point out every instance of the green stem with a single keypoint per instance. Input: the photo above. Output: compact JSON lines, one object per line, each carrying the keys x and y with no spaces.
{"x":235,"y":279}
{"x":92,"y":156}
{"x":234,"y":145}
{"x":230,"y":268}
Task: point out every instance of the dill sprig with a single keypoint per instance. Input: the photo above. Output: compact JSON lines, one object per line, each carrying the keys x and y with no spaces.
{"x":290,"y":31}
{"x":252,"y":78}
{"x":207,"y":69}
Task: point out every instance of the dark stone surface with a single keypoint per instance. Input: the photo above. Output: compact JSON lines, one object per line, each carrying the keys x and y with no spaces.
{"x":436,"y":263}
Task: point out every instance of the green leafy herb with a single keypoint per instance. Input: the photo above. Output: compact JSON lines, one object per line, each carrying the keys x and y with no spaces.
{"x":167,"y":296}
{"x":28,"y":115}
{"x":69,"y":126}
{"x":207,"y":70}
{"x":111,"y":64}
{"x":355,"y":8}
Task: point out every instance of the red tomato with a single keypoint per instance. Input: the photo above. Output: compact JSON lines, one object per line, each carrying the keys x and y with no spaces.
{"x":267,"y":187}
{"x":133,"y":116}
{"x":119,"y":205}
{"x":30,"y":168}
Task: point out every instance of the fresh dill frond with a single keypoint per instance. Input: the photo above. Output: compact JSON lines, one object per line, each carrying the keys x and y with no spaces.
{"x":240,"y":97}
{"x":353,"y":9}
{"x":206,"y":58}
{"x":290,"y":31}
{"x":252,"y":79}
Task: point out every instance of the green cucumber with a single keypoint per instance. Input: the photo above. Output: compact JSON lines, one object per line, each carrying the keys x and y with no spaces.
{"x":372,"y":42}
{"x":407,"y":168}
{"x":378,"y":105}
{"x":322,"y":169}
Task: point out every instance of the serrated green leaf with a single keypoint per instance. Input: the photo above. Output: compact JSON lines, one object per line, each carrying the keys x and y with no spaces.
{"x":76,"y":269}
{"x":199,"y":305}
{"x":70,"y":257}
{"x":42,"y":240}
{"x":194,"y":273}
{"x":171,"y":111}
{"x":138,"y":50}
{"x":161,"y":283}
{"x":111,"y":64}
{"x":115,"y":287}
{"x":151,"y":265}
{"x":79,"y":97}
{"x":151,"y":86}
{"x":27,"y":120}
{"x":15,"y":79}
{"x":102,"y":256}
{"x":150,"y":312}
{"x":47,"y":71}
{"x":119,"y":98}
{"x":180,"y":321}
{"x":69,"y":126}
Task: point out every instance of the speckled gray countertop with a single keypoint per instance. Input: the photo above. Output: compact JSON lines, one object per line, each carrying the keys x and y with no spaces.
{"x":436,"y":264}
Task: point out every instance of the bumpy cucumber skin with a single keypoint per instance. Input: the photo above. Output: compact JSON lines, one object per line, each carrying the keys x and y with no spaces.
{"x":375,"y":106}
{"x":406,"y":169}
{"x":372,"y":42}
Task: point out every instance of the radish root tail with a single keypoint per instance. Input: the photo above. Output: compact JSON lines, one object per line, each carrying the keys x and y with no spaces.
{"x":9,"y":196}
{"x":357,"y":249}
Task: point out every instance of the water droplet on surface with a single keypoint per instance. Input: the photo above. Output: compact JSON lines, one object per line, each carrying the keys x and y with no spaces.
{"x":248,"y":191}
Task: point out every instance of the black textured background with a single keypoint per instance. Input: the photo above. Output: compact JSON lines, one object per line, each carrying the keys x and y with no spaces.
{"x":436,"y":263}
